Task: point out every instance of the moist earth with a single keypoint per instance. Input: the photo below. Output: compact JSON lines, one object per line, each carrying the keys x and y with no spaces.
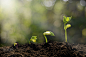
{"x":50,"y":49}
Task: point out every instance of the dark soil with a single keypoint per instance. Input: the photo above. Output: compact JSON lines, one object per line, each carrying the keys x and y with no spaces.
{"x":50,"y":49}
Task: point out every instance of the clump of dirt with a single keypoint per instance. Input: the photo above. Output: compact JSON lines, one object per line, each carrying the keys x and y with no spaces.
{"x":50,"y":49}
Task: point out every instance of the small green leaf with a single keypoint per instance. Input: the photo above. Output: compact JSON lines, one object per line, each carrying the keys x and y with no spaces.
{"x":64,"y":19}
{"x":52,"y":34}
{"x":15,"y":44}
{"x":68,"y":19}
{"x":34,"y":37}
{"x":48,"y":33}
{"x":33,"y":40}
{"x":67,"y":26}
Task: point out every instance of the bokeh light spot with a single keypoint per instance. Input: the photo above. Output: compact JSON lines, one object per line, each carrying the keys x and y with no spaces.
{"x":84,"y":32}
{"x":82,"y":2}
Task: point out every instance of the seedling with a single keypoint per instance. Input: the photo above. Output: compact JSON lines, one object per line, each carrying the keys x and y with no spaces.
{"x":33,"y":39}
{"x":65,"y":20}
{"x":16,"y":45}
{"x":48,"y":33}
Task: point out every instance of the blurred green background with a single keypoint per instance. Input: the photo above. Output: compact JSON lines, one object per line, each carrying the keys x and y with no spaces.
{"x":21,"y":19}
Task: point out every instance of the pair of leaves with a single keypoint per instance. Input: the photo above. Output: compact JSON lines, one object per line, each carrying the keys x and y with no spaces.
{"x":67,"y":26}
{"x":33,"y":38}
{"x":15,"y":44}
{"x":48,"y":33}
{"x":65,"y":20}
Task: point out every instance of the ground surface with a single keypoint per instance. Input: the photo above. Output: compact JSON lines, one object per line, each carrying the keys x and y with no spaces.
{"x":50,"y":49}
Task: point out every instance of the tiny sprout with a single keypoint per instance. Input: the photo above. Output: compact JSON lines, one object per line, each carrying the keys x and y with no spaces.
{"x":48,"y":33}
{"x":33,"y":39}
{"x":65,"y":20}
{"x":16,"y":45}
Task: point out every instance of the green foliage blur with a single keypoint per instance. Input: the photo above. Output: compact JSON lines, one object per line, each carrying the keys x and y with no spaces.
{"x":22,"y":19}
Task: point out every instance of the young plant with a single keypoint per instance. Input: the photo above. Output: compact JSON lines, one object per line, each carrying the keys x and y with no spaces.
{"x":65,"y":20}
{"x":33,"y":39}
{"x":15,"y":45}
{"x":48,"y":33}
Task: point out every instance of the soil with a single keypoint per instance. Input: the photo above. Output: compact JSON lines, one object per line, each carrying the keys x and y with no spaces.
{"x":50,"y":49}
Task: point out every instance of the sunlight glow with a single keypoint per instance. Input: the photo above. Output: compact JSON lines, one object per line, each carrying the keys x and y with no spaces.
{"x":29,"y":0}
{"x":7,"y":3}
{"x":65,"y":0}
{"x":49,"y":3}
{"x":84,"y":32}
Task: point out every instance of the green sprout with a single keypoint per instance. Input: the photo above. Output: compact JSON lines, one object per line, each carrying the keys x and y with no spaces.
{"x":48,"y":33}
{"x":15,"y":44}
{"x":33,"y":39}
{"x":65,"y":20}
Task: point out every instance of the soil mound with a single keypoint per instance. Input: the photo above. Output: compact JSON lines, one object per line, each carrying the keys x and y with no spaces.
{"x":50,"y":49}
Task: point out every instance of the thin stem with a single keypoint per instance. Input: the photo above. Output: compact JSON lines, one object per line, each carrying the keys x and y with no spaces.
{"x":45,"y":38}
{"x":65,"y":32}
{"x":65,"y":35}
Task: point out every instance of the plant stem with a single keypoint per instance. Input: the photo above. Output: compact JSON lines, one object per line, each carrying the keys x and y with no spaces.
{"x":65,"y":35}
{"x":45,"y":38}
{"x":65,"y":32}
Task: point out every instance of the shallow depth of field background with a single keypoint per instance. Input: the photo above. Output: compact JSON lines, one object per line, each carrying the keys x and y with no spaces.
{"x":21,"y":19}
